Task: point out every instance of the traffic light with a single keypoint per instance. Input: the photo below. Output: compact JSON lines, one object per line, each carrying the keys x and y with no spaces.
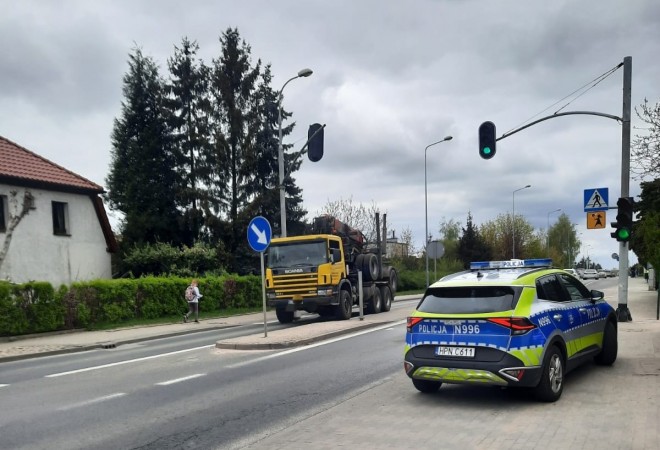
{"x":315,"y":142}
{"x":487,"y":140}
{"x":624,"y":219}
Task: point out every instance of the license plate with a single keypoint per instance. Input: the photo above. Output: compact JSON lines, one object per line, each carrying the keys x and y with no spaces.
{"x":461,"y":352}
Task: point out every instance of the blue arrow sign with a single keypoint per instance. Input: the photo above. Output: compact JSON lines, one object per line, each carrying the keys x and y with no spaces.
{"x":259,"y":234}
{"x":596,"y":199}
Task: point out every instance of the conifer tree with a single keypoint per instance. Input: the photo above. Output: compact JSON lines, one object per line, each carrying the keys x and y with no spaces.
{"x":188,"y":115}
{"x":142,"y":181}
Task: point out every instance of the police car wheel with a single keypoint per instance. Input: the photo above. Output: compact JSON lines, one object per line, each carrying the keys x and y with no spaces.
{"x":551,"y":385}
{"x":426,"y":386}
{"x":608,"y":353}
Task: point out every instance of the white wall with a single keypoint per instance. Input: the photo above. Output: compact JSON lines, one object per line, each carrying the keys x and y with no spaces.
{"x":37,"y":254}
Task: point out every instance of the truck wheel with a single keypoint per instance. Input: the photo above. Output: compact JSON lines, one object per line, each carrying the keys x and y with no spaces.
{"x":284,"y":316}
{"x":394,"y":281}
{"x":374,"y":305}
{"x":344,"y":310}
{"x":386,"y":296}
{"x":370,"y":268}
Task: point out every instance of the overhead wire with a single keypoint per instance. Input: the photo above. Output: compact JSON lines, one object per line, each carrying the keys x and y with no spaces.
{"x":593,"y":83}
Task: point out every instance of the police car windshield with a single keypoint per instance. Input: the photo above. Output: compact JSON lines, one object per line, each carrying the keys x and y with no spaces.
{"x":297,"y":254}
{"x":469,"y":300}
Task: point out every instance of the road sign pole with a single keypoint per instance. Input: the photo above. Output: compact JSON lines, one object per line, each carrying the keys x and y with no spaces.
{"x":263,"y":293}
{"x":622,"y":311}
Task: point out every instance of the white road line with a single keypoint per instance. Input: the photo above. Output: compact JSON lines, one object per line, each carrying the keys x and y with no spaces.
{"x":4,"y":385}
{"x":318,"y":344}
{"x":128,"y":361}
{"x":92,"y":401}
{"x":179,"y":380}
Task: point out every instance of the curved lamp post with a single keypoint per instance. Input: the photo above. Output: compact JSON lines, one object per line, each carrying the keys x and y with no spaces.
{"x":547,"y":241}
{"x":513,"y":222}
{"x":280,"y":151}
{"x":426,"y":209}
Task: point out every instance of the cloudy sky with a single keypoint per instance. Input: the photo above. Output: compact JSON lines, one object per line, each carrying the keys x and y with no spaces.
{"x":390,"y":77}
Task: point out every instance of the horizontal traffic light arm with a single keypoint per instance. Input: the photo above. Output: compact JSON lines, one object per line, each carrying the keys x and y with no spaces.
{"x":568,"y":113}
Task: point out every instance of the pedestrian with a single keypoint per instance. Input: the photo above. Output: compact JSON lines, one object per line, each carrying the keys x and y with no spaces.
{"x":192,"y":297}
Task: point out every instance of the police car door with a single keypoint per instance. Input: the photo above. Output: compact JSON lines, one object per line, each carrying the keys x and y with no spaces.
{"x":590,"y":313}
{"x":562,"y":311}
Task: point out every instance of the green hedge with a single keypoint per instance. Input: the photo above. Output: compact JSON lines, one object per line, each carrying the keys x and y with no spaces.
{"x":36,"y":307}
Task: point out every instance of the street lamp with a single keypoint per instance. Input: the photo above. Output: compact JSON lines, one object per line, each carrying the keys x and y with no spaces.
{"x":426,"y":210}
{"x":547,"y":244}
{"x":280,"y":151}
{"x":513,"y":223}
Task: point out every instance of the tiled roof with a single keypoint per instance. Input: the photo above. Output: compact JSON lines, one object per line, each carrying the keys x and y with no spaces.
{"x":22,"y":164}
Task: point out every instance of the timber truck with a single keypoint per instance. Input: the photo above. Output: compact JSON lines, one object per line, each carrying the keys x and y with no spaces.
{"x":319,"y":272}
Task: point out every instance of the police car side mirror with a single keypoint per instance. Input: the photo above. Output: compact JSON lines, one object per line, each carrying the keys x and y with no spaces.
{"x":597,"y":295}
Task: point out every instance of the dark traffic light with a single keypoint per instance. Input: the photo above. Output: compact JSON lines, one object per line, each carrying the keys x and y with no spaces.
{"x":315,"y":142}
{"x":624,"y":219}
{"x":487,"y":140}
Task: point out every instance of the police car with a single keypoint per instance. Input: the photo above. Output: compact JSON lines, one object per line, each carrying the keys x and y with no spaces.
{"x":508,"y":323}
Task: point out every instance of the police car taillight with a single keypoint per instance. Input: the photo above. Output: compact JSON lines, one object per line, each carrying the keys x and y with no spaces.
{"x":411,"y":322}
{"x":517,"y":325}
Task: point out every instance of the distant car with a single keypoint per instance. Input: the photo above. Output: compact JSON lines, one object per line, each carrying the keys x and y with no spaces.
{"x":572,"y":272}
{"x":590,"y":274}
{"x":517,"y":323}
{"x":603,"y":273}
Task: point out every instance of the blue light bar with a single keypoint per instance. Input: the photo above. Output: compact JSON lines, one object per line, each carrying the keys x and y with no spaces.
{"x":511,"y":264}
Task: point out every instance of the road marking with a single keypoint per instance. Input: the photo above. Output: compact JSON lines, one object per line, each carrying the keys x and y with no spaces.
{"x":92,"y":401}
{"x":179,"y":380}
{"x":4,"y":385}
{"x":128,"y":361}
{"x":318,"y":344}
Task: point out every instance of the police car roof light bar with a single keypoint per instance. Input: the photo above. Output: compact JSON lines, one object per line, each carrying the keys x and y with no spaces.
{"x":511,"y":264}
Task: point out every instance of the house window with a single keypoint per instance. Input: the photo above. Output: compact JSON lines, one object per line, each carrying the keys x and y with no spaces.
{"x":3,"y":213}
{"x":60,"y":218}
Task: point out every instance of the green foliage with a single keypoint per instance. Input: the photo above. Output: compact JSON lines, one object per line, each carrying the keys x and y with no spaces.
{"x":37,"y":307}
{"x":471,"y":246}
{"x":161,"y":258}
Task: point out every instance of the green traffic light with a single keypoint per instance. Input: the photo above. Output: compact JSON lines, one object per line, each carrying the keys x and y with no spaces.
{"x":623,"y":234}
{"x":486,"y":150}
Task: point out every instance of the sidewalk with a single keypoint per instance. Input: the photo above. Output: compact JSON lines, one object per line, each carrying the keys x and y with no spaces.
{"x":24,"y":347}
{"x":641,"y":303}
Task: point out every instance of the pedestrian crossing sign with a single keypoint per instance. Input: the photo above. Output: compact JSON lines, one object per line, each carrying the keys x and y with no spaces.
{"x":596,"y":199}
{"x":596,"y":220}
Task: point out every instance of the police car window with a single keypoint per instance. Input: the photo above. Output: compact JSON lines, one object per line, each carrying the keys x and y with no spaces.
{"x":549,"y":288}
{"x":575,"y":289}
{"x":464,"y":300}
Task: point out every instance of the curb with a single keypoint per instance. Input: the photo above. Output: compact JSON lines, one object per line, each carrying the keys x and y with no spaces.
{"x":295,"y":342}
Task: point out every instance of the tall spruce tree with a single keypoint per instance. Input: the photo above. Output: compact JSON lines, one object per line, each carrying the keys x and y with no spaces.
{"x":188,"y":107}
{"x":262,"y":165}
{"x":142,"y":181}
{"x":233,"y":84}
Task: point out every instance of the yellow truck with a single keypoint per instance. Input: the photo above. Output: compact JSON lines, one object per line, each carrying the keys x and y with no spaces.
{"x":319,"y":272}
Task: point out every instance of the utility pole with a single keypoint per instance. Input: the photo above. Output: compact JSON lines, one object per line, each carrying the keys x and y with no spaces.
{"x":622,"y":311}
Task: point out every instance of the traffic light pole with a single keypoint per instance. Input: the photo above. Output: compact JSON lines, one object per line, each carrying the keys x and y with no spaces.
{"x":622,"y":311}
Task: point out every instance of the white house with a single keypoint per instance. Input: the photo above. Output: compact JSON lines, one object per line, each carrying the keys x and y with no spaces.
{"x":53,"y":225}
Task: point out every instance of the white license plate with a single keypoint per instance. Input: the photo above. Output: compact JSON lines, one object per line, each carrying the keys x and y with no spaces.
{"x":461,"y":352}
